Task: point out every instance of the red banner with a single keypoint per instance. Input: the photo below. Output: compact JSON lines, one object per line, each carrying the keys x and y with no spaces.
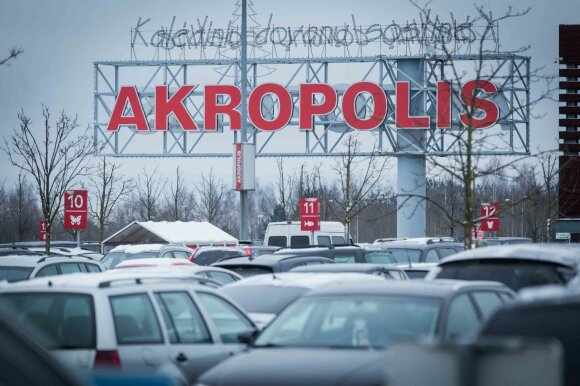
{"x":75,"y":209}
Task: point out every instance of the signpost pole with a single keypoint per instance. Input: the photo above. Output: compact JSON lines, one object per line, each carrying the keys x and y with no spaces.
{"x":78,"y":238}
{"x":244,"y":129}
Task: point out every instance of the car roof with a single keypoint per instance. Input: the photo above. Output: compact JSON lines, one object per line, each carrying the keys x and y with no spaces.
{"x":303,"y":279}
{"x":174,"y":269}
{"x":346,"y":267}
{"x":434,"y":288}
{"x":103,"y":280}
{"x":266,"y":259}
{"x":152,"y":262}
{"x":32,"y":260}
{"x":550,"y":253}
{"x":420,"y":243}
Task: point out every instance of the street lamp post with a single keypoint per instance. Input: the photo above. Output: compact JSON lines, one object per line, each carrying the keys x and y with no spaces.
{"x":509,"y":202}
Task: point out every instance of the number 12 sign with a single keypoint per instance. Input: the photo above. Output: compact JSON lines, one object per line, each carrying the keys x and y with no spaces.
{"x":75,"y":209}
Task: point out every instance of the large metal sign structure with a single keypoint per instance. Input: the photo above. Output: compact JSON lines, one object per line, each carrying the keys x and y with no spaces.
{"x":509,"y":136}
{"x":511,"y":72}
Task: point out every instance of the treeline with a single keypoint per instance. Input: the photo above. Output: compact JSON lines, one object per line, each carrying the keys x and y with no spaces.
{"x":367,"y":204}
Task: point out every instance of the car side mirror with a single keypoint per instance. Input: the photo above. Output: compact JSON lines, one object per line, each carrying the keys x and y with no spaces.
{"x":248,"y":337}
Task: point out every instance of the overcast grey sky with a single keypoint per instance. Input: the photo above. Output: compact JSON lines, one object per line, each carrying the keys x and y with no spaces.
{"x":62,"y":38}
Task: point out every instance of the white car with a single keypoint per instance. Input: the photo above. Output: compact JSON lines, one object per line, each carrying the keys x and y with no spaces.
{"x":139,"y":323}
{"x":23,"y":267}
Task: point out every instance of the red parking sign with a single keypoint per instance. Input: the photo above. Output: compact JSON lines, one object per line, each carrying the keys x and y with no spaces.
{"x":490,"y":225}
{"x":309,"y":214}
{"x":75,"y":209}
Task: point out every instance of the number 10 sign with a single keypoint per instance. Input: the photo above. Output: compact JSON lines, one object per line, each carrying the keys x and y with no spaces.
{"x":75,"y":209}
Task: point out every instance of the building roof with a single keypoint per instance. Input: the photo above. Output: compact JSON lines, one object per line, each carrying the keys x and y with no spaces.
{"x":176,"y":232}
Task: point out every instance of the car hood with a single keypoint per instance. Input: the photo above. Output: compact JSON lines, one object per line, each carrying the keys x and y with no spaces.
{"x":300,"y":366}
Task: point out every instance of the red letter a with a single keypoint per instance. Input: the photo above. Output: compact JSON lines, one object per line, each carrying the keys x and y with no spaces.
{"x":128,"y":94}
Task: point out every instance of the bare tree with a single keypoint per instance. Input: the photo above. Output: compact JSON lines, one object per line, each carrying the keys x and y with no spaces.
{"x":14,"y":52}
{"x":149,"y":191}
{"x":359,"y":179}
{"x":107,"y":187}
{"x":285,"y":186}
{"x":22,"y":209}
{"x":469,"y":163}
{"x":180,"y":203}
{"x":54,"y":159}
{"x":210,"y":193}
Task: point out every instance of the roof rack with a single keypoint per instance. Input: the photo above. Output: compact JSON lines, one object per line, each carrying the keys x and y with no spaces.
{"x":64,"y":257}
{"x":139,"y":280}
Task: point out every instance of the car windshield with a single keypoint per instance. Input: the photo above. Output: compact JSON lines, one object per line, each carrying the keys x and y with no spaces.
{"x":352,"y":321}
{"x":251,"y":298}
{"x":404,"y":255}
{"x":249,"y":270}
{"x":66,"y":319}
{"x":112,"y":259}
{"x":12,"y":274}
{"x":380,"y":258}
{"x":515,"y":274}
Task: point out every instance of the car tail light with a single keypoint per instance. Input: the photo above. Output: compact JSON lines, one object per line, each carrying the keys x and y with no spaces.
{"x":248,"y":251}
{"x":108,"y":359}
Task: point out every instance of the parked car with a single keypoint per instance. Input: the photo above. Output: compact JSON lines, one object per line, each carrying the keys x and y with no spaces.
{"x":489,"y":241}
{"x":167,"y":265}
{"x":250,"y":266}
{"x":23,"y":267}
{"x":422,"y":250}
{"x":344,"y":254}
{"x":24,"y":361}
{"x":517,"y":266}
{"x":551,"y":315}
{"x":8,"y":251}
{"x":388,"y":272}
{"x":334,"y":335}
{"x":288,"y":234}
{"x":416,"y":271}
{"x":142,"y":251}
{"x":136,"y":323}
{"x":282,"y":289}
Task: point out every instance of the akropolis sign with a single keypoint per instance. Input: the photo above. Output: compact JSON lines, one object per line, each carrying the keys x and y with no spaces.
{"x":315,"y":99}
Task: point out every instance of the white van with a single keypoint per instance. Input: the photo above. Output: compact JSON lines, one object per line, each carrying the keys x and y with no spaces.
{"x":288,"y":234}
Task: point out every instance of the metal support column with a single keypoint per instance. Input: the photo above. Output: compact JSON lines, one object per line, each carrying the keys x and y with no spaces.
{"x":411,"y":168}
{"x":244,"y":235}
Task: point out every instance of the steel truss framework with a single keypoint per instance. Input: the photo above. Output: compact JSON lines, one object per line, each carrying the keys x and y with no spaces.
{"x":510,"y":73}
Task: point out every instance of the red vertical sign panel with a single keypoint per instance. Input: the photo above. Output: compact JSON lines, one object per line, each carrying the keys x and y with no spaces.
{"x":75,"y":209}
{"x":309,"y":214}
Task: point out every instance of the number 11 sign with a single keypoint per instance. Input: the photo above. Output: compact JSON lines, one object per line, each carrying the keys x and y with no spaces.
{"x":309,"y":214}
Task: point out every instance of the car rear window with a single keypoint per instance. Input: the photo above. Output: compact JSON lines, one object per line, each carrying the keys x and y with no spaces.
{"x":135,"y":320}
{"x":210,"y":257}
{"x":380,"y":258}
{"x":67,"y":320}
{"x":277,"y":241}
{"x":338,"y":240}
{"x":12,"y":274}
{"x":403,"y":255}
{"x":515,"y":274}
{"x":299,"y":241}
{"x":251,"y":298}
{"x":249,"y":270}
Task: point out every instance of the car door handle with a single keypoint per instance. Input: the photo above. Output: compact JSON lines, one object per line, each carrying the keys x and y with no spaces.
{"x":181,"y":357}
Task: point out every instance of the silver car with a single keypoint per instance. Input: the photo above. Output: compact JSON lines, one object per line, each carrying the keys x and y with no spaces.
{"x":23,"y":267}
{"x":140,"y":323}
